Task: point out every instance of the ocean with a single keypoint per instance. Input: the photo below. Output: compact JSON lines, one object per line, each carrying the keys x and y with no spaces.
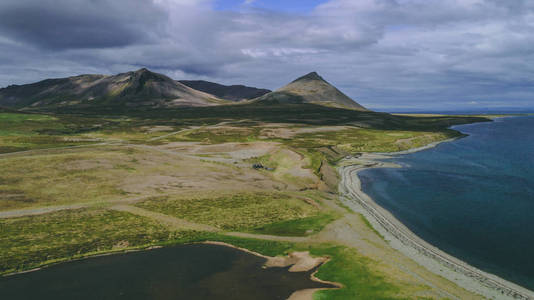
{"x":472,"y":197}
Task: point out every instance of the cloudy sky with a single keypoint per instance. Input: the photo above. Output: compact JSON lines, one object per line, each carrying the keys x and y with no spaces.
{"x":386,"y":54}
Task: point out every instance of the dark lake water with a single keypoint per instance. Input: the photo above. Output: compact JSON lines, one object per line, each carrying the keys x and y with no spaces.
{"x":473,"y":197}
{"x":179,"y":272}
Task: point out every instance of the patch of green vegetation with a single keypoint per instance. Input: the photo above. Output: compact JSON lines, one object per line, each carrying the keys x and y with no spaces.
{"x":219,"y":135}
{"x":20,"y":132}
{"x":354,"y":272}
{"x":25,"y":124}
{"x":78,"y":176}
{"x":239,"y":212}
{"x":264,"y":247}
{"x":369,"y":140}
{"x":299,"y":227}
{"x":132,"y":131}
{"x":29,"y":242}
{"x":315,"y":160}
{"x":124,"y":167}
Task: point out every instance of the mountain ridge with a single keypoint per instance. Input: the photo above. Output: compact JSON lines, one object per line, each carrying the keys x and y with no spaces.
{"x":235,"y":93}
{"x":145,"y":88}
{"x":141,"y":87}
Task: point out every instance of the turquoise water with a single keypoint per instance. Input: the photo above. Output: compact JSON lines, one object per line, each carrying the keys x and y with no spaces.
{"x":473,"y":197}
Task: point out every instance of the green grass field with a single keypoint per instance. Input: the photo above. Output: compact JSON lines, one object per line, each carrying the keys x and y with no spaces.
{"x":19,"y":132}
{"x":254,"y":212}
{"x":63,"y":178}
{"x":369,"y":140}
{"x":29,"y":242}
{"x":297,"y":227}
{"x":355,"y":273}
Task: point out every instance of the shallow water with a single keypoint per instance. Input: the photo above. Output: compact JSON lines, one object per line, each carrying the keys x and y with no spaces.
{"x":473,"y":197}
{"x":179,"y":272}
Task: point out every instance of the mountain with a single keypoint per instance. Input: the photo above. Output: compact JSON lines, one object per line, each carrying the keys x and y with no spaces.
{"x":139,"y":88}
{"x":227,"y":92}
{"x":311,"y":88}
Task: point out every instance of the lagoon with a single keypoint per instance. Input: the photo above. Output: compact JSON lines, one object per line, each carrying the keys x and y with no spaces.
{"x":197,"y":271}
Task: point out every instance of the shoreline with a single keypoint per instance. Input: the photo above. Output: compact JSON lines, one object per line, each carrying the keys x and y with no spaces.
{"x":296,"y":261}
{"x":408,"y":243}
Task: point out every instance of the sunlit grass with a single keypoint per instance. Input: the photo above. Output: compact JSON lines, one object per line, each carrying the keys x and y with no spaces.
{"x":237,"y":212}
{"x":28,"y":242}
{"x":63,"y":178}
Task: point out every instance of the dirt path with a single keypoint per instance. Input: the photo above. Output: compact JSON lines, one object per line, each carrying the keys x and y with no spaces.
{"x":181,"y":224}
{"x":169,"y":221}
{"x":50,"y":209}
{"x":39,"y":211}
{"x":173,"y":133}
{"x":293,"y":239}
{"x":58,"y":148}
{"x":184,"y":130}
{"x":164,"y":151}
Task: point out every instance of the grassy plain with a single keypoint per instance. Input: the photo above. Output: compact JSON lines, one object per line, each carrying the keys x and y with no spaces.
{"x":195,"y":164}
{"x":82,"y":175}
{"x":19,"y":132}
{"x":237,"y":212}
{"x":29,"y":242}
{"x":297,"y":227}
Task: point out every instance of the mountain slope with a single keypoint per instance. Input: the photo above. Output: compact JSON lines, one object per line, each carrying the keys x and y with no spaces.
{"x":139,"y":88}
{"x":311,"y":88}
{"x":227,"y":92}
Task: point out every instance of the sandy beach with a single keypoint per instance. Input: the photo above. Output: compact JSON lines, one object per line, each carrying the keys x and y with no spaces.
{"x":406,"y":242}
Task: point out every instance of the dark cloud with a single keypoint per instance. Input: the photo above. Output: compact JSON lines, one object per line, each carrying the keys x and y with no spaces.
{"x":67,"y":24}
{"x":384,"y":53}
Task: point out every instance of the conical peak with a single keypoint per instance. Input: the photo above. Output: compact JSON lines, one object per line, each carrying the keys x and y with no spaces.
{"x":142,"y":70}
{"x":145,"y":74}
{"x":310,"y":76}
{"x":312,"y":88}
